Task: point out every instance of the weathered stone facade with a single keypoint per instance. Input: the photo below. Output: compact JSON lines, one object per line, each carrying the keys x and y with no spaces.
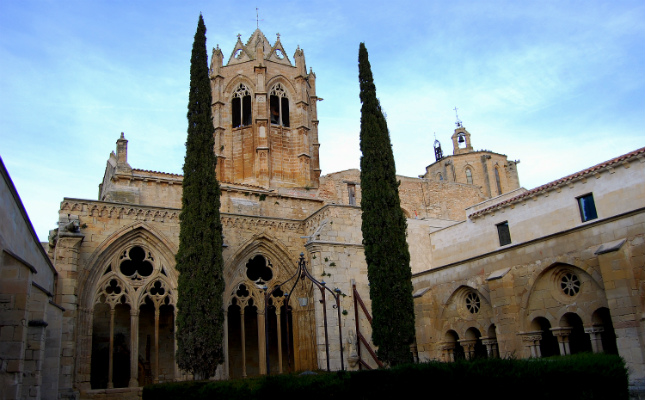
{"x":561,"y":281}
{"x":30,"y":313}
{"x":566,"y":282}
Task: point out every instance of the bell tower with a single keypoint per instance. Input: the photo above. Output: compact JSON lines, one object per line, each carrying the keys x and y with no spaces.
{"x":264,"y":115}
{"x":461,"y":138}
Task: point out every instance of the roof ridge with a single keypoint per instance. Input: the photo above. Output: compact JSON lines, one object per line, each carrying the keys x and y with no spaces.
{"x":559,"y":181}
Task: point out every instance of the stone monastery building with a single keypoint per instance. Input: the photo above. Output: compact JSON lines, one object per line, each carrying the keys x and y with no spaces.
{"x":498,"y":270}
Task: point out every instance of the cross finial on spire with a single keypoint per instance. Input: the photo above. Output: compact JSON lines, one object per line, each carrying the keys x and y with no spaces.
{"x":239,"y":36}
{"x":278,"y":34}
{"x":257,"y":18}
{"x":458,"y":122}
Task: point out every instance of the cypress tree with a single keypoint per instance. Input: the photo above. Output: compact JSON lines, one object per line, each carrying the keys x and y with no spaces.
{"x":199,"y":260}
{"x":384,"y":229}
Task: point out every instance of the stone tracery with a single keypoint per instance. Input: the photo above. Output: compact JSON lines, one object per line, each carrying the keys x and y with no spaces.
{"x":138,"y":282}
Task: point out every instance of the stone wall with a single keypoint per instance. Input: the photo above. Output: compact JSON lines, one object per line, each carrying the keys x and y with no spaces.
{"x":30,"y":331}
{"x":541,"y":212}
{"x":520,"y":283}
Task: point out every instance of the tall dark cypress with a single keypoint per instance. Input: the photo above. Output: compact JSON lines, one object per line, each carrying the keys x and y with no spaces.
{"x":200,"y":317}
{"x":384,"y":229}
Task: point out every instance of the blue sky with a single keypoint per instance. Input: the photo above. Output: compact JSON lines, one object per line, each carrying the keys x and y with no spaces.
{"x":559,"y":85}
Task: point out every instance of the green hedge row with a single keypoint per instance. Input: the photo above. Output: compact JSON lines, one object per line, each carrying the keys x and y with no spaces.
{"x":584,"y":376}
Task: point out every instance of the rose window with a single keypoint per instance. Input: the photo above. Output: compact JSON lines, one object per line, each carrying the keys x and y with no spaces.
{"x":472,"y":303}
{"x":570,"y":284}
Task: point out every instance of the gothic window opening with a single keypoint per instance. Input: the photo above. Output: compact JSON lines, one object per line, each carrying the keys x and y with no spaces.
{"x":133,"y":320}
{"x":241,"y":106}
{"x":137,"y":266}
{"x":247,"y":322}
{"x":469,"y":176}
{"x":279,"y":106}
{"x":259,"y":270}
{"x":439,"y":176}
{"x":111,"y":344}
{"x":587,"y":208}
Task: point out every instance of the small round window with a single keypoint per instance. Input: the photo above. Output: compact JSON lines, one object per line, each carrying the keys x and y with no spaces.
{"x":472,"y":303}
{"x":279,"y":54}
{"x":570,"y":284}
{"x":238,"y":53}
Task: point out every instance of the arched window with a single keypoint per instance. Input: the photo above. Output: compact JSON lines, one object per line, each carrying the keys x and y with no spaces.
{"x":499,"y":186}
{"x":439,"y":176}
{"x":241,"y":106}
{"x":279,"y":104}
{"x":469,"y":176}
{"x":133,"y":319}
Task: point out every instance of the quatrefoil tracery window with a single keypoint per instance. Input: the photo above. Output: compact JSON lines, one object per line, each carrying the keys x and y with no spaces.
{"x":134,"y":274}
{"x":112,"y":293}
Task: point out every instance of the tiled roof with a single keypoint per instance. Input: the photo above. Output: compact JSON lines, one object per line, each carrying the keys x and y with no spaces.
{"x":562,"y":181}
{"x":157,"y":172}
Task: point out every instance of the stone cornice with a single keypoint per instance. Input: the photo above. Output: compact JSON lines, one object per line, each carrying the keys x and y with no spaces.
{"x":165,"y":214}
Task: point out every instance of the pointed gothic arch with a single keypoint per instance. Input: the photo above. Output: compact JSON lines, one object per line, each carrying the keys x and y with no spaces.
{"x":263,"y":261}
{"x":127,"y":310}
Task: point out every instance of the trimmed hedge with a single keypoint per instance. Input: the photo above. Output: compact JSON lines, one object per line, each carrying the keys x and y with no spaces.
{"x":583,"y":376}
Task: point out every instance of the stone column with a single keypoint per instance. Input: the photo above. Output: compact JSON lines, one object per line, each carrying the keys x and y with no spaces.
{"x":243,"y":340}
{"x":595,"y":334}
{"x":110,"y":384}
{"x":469,"y":347}
{"x":563,"y":339}
{"x":491,"y":346}
{"x":448,"y":351}
{"x":66,"y":261}
{"x":262,"y":343}
{"x":156,"y":366}
{"x":532,"y":342}
{"x":277,"y":315}
{"x":134,"y":348}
